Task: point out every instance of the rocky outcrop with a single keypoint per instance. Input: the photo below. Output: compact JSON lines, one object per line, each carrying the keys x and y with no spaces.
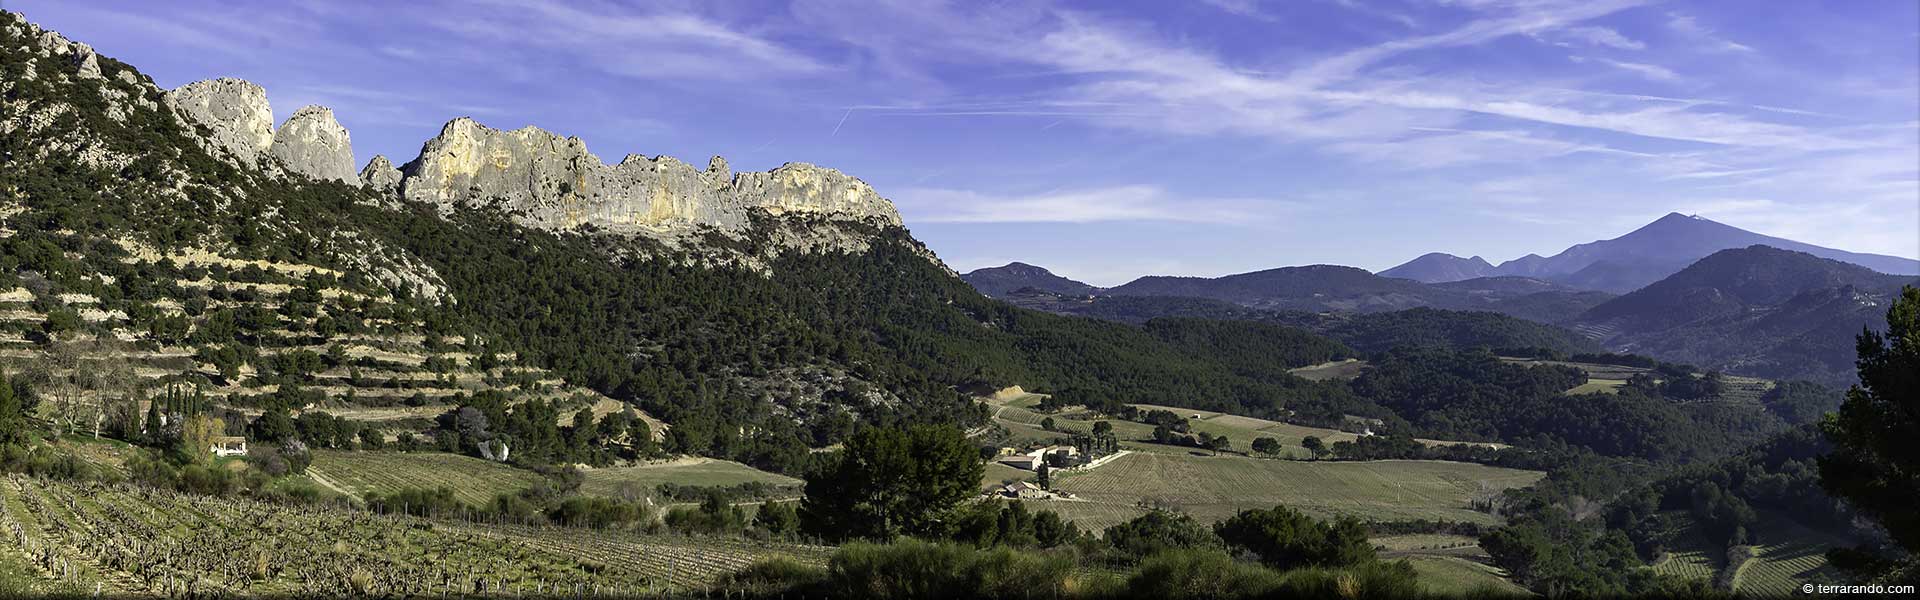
{"x":554,"y":182}
{"x":380,"y":175}
{"x":234,"y":109}
{"x":56,"y":46}
{"x":311,"y":142}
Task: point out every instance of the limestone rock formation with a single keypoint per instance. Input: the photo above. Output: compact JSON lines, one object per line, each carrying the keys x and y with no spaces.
{"x":554,"y":182}
{"x":311,"y":142}
{"x":235,"y":109}
{"x":50,"y":44}
{"x":380,"y":175}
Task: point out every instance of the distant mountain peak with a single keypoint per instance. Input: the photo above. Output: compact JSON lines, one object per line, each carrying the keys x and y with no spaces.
{"x":1440,"y":267}
{"x":998,"y":282}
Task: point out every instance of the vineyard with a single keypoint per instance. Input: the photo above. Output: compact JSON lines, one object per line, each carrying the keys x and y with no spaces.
{"x":1779,"y":568}
{"x":473,"y":481}
{"x":1689,"y":555}
{"x":1213,"y":488}
{"x":124,"y":539}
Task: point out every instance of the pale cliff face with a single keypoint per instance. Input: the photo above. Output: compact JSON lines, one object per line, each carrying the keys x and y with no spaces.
{"x":234,"y":109}
{"x":313,"y":143}
{"x":546,"y":180}
{"x":380,"y":175}
{"x":556,"y":182}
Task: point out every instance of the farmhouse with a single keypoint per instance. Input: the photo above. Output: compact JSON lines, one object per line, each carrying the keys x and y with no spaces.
{"x":1059,"y":456}
{"x":1024,"y":490}
{"x":1022,"y":461}
{"x":228,"y":445}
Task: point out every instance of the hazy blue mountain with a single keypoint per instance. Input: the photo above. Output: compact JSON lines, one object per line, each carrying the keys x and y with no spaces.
{"x":1757,"y":311}
{"x":1312,"y":288}
{"x":1641,"y":257}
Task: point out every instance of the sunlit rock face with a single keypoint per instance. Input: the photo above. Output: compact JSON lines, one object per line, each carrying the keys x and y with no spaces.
{"x":312,"y":143}
{"x":554,"y":182}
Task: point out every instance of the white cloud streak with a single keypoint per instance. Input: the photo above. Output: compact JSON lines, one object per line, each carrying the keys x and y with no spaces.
{"x":1092,"y":205}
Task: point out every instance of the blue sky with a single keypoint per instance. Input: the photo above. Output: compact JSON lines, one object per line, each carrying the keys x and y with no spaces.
{"x":1108,"y":140}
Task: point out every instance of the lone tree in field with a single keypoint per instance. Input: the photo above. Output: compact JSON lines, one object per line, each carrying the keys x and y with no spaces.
{"x":1266,"y":445}
{"x":891,"y":482}
{"x":1875,"y":463}
{"x":1314,"y":445}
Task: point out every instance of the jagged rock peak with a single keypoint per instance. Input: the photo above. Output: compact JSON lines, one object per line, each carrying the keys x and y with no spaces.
{"x":555,"y":182}
{"x":380,"y":175}
{"x":51,"y":44}
{"x":235,"y":109}
{"x":313,"y":143}
{"x":718,"y":171}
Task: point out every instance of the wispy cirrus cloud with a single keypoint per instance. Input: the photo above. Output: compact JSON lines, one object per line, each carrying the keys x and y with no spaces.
{"x":1603,"y":36}
{"x":1689,"y":27}
{"x":1093,"y":205}
{"x":657,"y":44}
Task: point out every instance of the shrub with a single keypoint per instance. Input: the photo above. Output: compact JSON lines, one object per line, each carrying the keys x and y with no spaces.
{"x":1285,"y":538}
{"x":1199,"y":573}
{"x":1155,"y":532}
{"x":944,"y":570}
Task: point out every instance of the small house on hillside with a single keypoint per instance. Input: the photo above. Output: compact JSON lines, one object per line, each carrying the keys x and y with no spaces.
{"x":228,"y":445}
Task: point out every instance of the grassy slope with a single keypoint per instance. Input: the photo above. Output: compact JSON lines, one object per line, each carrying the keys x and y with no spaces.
{"x":1213,"y":488}
{"x":1341,"y":369}
{"x":1459,"y":576}
{"x":702,"y":472}
{"x":473,"y":481}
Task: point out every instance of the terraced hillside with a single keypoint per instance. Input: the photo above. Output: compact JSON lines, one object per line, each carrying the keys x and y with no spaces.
{"x":251,"y":334}
{"x":133,"y":540}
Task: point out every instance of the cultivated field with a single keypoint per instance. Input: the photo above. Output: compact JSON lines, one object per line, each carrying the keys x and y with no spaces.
{"x":1341,"y":369}
{"x":473,"y":481}
{"x":1460,"y":576}
{"x":1689,"y":555}
{"x":118,"y":539}
{"x":1423,"y":543}
{"x":686,"y":471}
{"x":1598,"y":386}
{"x":1789,"y":556}
{"x":1605,"y":378}
{"x":1213,"y":488}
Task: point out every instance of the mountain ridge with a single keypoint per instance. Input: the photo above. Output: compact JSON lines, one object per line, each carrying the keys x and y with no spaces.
{"x":1001,"y":281}
{"x":1758,"y":310}
{"x":1642,"y":256}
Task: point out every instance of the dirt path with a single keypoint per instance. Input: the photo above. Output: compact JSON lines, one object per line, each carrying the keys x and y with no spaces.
{"x":321,"y":478}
